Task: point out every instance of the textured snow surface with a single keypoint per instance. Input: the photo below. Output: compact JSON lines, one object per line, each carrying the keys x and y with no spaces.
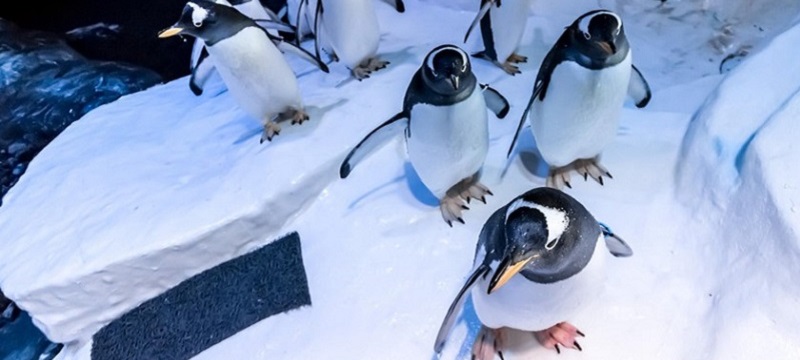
{"x":151,"y":189}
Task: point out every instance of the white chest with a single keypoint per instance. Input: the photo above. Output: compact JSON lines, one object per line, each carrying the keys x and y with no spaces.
{"x":508,"y":25}
{"x":525,"y":305}
{"x":255,"y":72}
{"x":448,"y":143}
{"x":580,"y":113}
{"x":351,"y":28}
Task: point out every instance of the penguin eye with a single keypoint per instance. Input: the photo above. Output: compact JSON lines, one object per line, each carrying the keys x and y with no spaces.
{"x":551,"y":244}
{"x":587,"y":36}
{"x":464,"y":67}
{"x":198,"y":24}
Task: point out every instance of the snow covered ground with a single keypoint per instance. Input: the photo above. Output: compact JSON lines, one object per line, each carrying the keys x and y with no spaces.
{"x":145,"y":192}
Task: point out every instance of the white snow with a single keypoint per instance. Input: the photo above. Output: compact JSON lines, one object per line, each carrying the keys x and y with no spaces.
{"x":157,"y":186}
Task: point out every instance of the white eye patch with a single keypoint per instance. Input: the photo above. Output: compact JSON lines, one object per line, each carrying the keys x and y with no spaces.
{"x":198,"y":14}
{"x":432,"y":56}
{"x":583,"y":25}
{"x":557,"y":220}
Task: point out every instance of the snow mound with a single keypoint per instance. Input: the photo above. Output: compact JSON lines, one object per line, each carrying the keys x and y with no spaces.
{"x":739,"y":174}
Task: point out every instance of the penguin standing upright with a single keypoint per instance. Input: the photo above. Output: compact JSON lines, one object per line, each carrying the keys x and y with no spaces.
{"x":249,"y":61}
{"x":447,"y":135}
{"x":538,"y":260}
{"x":350,"y":28}
{"x":578,"y":96}
{"x":501,"y":32}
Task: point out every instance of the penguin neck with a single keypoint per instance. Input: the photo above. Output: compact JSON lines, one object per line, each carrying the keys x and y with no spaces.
{"x":420,"y":92}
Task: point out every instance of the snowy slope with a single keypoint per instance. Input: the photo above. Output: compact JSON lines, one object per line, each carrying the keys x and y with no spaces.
{"x":179,"y":183}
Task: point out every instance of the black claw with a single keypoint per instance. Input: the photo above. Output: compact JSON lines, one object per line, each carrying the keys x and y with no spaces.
{"x":473,"y":357}
{"x":558,"y":350}
{"x":468,"y":199}
{"x":585,"y":176}
{"x":483,"y":199}
{"x":609,"y":175}
{"x":501,"y":354}
{"x":600,"y":180}
{"x":261,"y":141}
{"x":449,"y":223}
{"x":577,"y":346}
{"x":568,"y":185}
{"x":465,"y":207}
{"x":580,"y":333}
{"x":461,"y":220}
{"x":489,"y":192}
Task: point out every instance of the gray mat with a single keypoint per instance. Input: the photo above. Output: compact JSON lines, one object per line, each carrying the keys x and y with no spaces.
{"x":210,"y":306}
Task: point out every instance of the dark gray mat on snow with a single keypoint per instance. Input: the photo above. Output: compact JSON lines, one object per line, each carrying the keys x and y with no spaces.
{"x":210,"y":306}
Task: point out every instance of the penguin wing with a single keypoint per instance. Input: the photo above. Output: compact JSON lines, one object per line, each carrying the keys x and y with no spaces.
{"x":496,"y":102}
{"x":458,"y":302}
{"x":201,"y":70}
{"x":398,"y":5}
{"x":285,"y":46}
{"x":300,"y":12}
{"x":616,"y":246}
{"x":485,"y":6}
{"x":374,"y":139}
{"x":638,"y":88}
{"x":537,"y":89}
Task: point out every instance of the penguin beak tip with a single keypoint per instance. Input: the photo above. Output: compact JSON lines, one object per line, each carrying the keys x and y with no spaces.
{"x":169,"y":32}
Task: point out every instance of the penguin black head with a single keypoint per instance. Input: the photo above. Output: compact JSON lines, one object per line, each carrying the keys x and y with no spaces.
{"x":599,"y":34}
{"x":209,"y":21}
{"x":544,"y":239}
{"x":447,"y":69}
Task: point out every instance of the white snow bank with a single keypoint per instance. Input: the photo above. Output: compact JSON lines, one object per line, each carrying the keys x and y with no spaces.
{"x":739,"y":173}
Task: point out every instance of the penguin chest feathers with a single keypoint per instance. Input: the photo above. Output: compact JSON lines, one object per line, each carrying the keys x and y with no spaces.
{"x":448,"y":143}
{"x":255,"y":72}
{"x":580,"y":113}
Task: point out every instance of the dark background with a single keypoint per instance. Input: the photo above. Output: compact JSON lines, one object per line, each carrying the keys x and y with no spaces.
{"x":137,"y":41}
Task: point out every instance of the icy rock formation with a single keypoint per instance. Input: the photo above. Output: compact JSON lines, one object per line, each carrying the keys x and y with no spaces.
{"x":739,"y":175}
{"x":45,"y":86}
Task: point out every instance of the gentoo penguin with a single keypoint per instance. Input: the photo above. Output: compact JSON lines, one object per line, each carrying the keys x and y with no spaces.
{"x":202,"y":68}
{"x":502,"y":31}
{"x":538,"y":259}
{"x":578,"y":96}
{"x":249,"y":61}
{"x":350,"y":29}
{"x":447,"y":137}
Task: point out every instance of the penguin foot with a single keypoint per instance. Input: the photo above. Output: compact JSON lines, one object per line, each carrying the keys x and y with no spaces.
{"x":510,"y":68}
{"x":559,"y":177}
{"x":563,"y":334}
{"x":475,"y":191}
{"x":451,"y":207}
{"x":592,"y":167}
{"x":298,"y":116}
{"x":517,"y":58}
{"x":488,"y":343}
{"x":367,"y":67}
{"x":271,"y":129}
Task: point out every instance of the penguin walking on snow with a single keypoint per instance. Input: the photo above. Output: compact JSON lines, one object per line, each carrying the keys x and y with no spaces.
{"x":349,"y":29}
{"x":502,"y":25}
{"x":578,"y":96}
{"x":202,"y":68}
{"x":249,"y":60}
{"x":537,"y":261}
{"x":447,"y":135}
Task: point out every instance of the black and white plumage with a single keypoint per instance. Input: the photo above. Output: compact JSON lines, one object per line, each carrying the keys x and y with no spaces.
{"x":249,"y":60}
{"x":349,"y":31}
{"x":579,"y":94}
{"x":202,"y":67}
{"x":444,"y":115}
{"x":538,"y":261}
{"x":502,"y":24}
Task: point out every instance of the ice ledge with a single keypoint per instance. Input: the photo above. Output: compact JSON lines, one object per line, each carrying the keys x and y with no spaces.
{"x":143,"y":193}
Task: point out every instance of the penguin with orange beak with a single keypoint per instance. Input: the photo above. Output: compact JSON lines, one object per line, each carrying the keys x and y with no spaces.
{"x":537,"y":261}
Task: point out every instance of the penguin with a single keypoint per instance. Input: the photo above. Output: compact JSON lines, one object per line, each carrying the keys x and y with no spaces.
{"x":201,"y":68}
{"x":538,"y":259}
{"x":501,"y":32}
{"x":579,"y":94}
{"x":249,"y":60}
{"x":446,"y":129}
{"x":350,"y":31}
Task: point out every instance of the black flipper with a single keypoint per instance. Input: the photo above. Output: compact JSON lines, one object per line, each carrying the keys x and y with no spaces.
{"x":375,"y":138}
{"x":485,"y":6}
{"x":300,"y":8}
{"x":616,"y":246}
{"x":286,"y":46}
{"x":638,"y":89}
{"x":201,"y":70}
{"x":458,"y":302}
{"x":537,"y":89}
{"x":398,"y":5}
{"x":495,"y":101}
{"x":318,"y":28}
